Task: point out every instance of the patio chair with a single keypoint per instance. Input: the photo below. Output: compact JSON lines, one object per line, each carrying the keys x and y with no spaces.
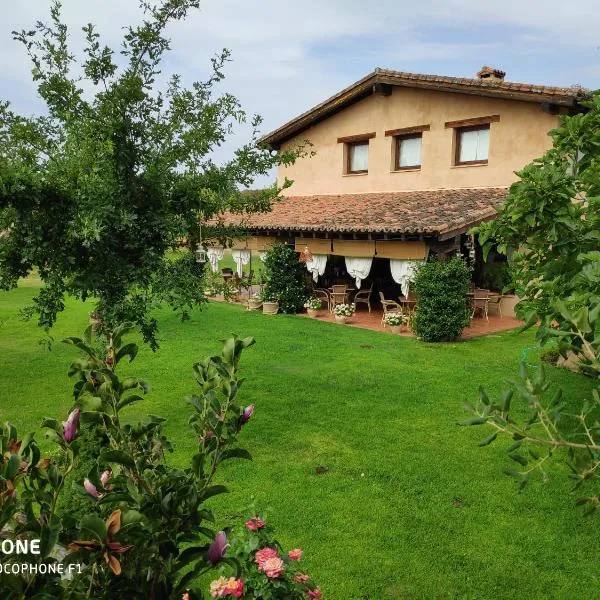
{"x":481,"y":299}
{"x":389,"y":306}
{"x":323,"y":296}
{"x":339,"y":295}
{"x":363,"y":297}
{"x":495,"y":300}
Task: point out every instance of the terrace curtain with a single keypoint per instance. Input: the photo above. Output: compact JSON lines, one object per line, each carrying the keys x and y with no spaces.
{"x":214,"y":256}
{"x":359,"y":268}
{"x":241,"y":258}
{"x":402,"y":272}
{"x":316,"y":265}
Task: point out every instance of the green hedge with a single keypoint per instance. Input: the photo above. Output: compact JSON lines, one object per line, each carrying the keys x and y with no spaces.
{"x":441,"y":287}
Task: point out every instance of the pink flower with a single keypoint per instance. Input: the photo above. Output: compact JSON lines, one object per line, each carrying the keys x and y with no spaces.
{"x":90,"y":488}
{"x":314,"y":594}
{"x":105,"y":477}
{"x":71,"y":425}
{"x":248,"y":412}
{"x":301,"y":578}
{"x":272,"y":567}
{"x":235,"y":587}
{"x":295,"y":554}
{"x":264,"y":554}
{"x":218,"y":587}
{"x":255,"y":523}
{"x":185,"y":596}
{"x":216,"y":551}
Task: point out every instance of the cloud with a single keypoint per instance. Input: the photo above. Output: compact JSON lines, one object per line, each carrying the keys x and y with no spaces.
{"x":288,"y":56}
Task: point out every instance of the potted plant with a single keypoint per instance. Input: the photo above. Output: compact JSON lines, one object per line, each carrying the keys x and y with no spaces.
{"x":343,"y":312}
{"x":395,"y":321}
{"x":312,"y":306}
{"x":270,"y":304}
{"x":255,"y":302}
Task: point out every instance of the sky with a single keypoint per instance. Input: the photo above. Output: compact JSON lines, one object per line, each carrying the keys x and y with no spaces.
{"x":289,"y":55}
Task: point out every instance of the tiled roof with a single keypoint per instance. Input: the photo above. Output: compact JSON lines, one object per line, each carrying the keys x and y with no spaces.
{"x":430,"y":212}
{"x":495,"y":87}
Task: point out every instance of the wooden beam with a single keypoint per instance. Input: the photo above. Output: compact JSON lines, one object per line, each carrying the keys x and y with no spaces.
{"x":472,"y":122}
{"x":407,"y":130}
{"x":361,"y":137}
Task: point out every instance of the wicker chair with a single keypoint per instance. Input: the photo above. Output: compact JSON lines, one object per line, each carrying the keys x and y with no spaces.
{"x":339,"y":295}
{"x":389,"y":306}
{"x":481,"y":300}
{"x":363,"y":297}
{"x":323,"y":296}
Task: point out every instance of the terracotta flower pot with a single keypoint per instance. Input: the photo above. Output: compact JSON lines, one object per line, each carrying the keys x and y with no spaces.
{"x":254,"y":304}
{"x":270,"y":308}
{"x":312,"y":312}
{"x":396,"y":328}
{"x":341,"y":319}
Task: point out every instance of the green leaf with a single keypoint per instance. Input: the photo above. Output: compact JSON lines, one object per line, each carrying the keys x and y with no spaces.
{"x":474,"y":421}
{"x":117,"y":456}
{"x":12,"y":468}
{"x":95,"y":525}
{"x":518,"y":458}
{"x":236,"y":453}
{"x":130,"y":350}
{"x":214,"y":491}
{"x":488,"y":440}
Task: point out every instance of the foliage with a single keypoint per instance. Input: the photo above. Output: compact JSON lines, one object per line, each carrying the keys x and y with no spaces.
{"x":148,"y":534}
{"x":344,"y":310}
{"x":313,"y":304}
{"x":97,"y":191}
{"x":394,"y":319}
{"x":497,"y":277}
{"x":267,"y":571}
{"x":550,"y":429}
{"x":550,"y":222}
{"x":441,"y":288}
{"x":285,"y":278}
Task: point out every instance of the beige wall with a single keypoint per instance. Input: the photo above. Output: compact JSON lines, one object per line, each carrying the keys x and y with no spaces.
{"x":520,"y":136}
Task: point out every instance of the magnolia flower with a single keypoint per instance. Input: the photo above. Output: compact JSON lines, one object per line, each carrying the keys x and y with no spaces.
{"x":90,"y":488}
{"x":255,"y":523}
{"x":295,"y":554}
{"x":105,"y":477}
{"x":185,"y":596}
{"x":248,"y":412}
{"x":216,"y":551}
{"x":71,"y":425}
{"x":314,"y":594}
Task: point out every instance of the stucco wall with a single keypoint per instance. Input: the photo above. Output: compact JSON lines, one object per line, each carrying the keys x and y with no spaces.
{"x":520,"y":136}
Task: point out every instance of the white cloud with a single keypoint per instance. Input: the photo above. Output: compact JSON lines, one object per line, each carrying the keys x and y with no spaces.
{"x":291,"y":55}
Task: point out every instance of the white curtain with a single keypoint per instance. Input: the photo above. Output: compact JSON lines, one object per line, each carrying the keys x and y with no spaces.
{"x":359,"y":268}
{"x":316,"y":265}
{"x":241,"y":258}
{"x":403,"y":271}
{"x":214,"y":256}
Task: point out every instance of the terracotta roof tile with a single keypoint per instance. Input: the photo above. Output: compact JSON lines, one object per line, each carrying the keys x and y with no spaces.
{"x":430,"y":212}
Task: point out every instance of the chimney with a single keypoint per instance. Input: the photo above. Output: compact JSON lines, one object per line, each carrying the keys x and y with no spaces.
{"x":491,"y":74}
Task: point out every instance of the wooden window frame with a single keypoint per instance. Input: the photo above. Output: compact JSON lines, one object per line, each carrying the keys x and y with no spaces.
{"x":398,"y":139}
{"x":458,"y":131}
{"x":349,"y":146}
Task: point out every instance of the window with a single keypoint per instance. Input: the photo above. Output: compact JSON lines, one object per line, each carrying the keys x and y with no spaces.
{"x":358,"y":157}
{"x":408,"y":152}
{"x":472,"y":145}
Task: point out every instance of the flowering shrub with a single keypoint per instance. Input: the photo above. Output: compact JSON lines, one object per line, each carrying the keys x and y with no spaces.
{"x":313,"y":304}
{"x":267,"y":571}
{"x":344,"y":310}
{"x":394,"y":319}
{"x":148,"y":534}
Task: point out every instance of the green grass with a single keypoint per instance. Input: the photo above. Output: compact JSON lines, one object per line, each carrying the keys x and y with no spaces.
{"x":377,"y":410}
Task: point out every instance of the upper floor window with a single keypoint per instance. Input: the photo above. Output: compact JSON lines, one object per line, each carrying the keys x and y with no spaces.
{"x":472,"y":145}
{"x":408,"y":151}
{"x":356,"y":153}
{"x":358,"y":157}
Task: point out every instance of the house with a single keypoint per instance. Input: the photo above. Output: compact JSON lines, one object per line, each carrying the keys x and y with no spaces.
{"x":405,"y":164}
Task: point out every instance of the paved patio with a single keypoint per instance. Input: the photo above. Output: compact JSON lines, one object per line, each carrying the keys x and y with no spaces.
{"x":479,"y":325}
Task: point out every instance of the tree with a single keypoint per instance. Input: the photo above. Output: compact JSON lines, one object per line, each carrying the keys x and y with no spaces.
{"x":550,"y":223}
{"x":95,"y":193}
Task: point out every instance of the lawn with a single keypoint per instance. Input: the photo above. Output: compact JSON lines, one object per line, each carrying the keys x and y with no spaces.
{"x":410,"y":506}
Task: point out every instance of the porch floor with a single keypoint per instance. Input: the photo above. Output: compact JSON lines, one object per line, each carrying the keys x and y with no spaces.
{"x":479,"y":325}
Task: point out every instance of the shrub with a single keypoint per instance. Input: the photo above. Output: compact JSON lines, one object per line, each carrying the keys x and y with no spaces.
{"x":441,"y":288}
{"x":285,"y":279}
